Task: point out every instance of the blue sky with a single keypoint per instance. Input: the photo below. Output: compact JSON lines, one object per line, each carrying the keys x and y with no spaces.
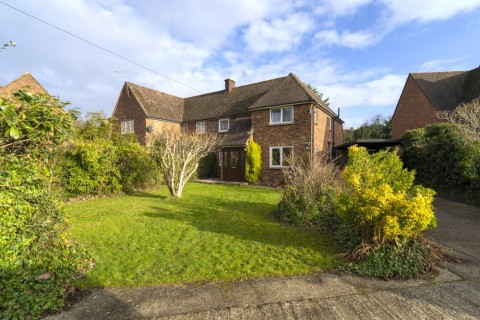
{"x":357,"y":52}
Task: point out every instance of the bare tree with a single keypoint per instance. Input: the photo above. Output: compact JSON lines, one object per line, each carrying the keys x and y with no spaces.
{"x":178,"y":154}
{"x":467,"y":119}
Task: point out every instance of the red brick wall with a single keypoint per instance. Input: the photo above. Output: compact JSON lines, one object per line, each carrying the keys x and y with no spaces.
{"x":127,"y":108}
{"x":414,"y":110}
{"x":296,"y":134}
{"x":210,"y":126}
{"x":26,"y":82}
{"x":324,"y":137}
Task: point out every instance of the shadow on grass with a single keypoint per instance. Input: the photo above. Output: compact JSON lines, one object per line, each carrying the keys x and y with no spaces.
{"x":250,"y":221}
{"x":149,"y":195}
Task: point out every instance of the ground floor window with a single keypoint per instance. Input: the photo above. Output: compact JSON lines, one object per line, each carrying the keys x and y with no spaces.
{"x":278,"y":156}
{"x":127,"y":127}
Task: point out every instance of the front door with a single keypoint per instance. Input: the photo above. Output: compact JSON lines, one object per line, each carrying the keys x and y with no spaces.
{"x":233,"y":166}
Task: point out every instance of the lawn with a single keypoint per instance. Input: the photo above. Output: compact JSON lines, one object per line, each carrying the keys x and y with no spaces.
{"x":215,"y":232}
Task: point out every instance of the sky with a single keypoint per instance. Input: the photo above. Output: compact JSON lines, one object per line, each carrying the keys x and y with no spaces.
{"x":356,"y":52}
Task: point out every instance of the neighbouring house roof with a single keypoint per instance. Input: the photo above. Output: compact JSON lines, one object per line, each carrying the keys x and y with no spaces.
{"x":25,"y":82}
{"x":446,"y":90}
{"x":222,"y":104}
{"x":157,"y":104}
{"x":238,"y":134}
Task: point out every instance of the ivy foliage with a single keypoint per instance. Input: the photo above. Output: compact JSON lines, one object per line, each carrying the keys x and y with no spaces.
{"x":253,"y":162}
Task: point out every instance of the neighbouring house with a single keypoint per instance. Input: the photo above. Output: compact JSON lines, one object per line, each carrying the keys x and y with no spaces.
{"x":25,"y":82}
{"x":282,"y":115}
{"x":427,"y":93}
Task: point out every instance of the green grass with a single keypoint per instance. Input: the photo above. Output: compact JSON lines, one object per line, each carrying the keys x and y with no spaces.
{"x":215,"y":232}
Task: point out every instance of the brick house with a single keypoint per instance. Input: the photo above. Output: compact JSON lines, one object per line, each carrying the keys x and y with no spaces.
{"x":25,"y":82}
{"x":282,"y":115}
{"x":425,"y":94}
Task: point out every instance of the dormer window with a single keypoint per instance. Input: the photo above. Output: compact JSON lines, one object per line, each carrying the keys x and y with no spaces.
{"x":223,"y":125}
{"x":281,"y":115}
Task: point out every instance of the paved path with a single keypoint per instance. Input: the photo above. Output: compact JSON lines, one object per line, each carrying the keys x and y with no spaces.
{"x":454,"y":294}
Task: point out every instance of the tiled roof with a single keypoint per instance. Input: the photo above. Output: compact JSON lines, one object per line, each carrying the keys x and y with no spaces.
{"x":238,"y":133}
{"x":290,"y":90}
{"x":158,"y":104}
{"x":25,"y":82}
{"x":223,"y":104}
{"x":446,"y":90}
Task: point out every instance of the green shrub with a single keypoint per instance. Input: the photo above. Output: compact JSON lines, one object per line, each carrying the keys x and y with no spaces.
{"x":137,"y":169}
{"x":208,"y":166}
{"x":89,"y":168}
{"x":253,"y":162}
{"x":310,"y":193}
{"x":406,"y":259}
{"x":380,"y":199}
{"x":33,"y":243}
{"x":444,"y":159}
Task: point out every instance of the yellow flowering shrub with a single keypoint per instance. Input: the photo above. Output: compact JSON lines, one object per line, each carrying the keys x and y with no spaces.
{"x":380,"y":199}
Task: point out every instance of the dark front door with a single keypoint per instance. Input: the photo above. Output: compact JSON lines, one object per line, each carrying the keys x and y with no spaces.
{"x":233,"y":166}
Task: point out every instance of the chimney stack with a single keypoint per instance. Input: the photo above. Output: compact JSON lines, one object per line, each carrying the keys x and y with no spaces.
{"x":229,"y":85}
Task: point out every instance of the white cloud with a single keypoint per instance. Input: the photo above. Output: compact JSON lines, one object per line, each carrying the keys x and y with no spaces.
{"x":437,"y":65}
{"x":360,"y":39}
{"x":340,"y":7}
{"x":404,"y":11}
{"x":279,"y":34}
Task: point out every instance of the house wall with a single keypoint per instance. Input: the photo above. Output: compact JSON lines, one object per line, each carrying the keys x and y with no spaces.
{"x":127,"y":108}
{"x":158,"y":126}
{"x":211,"y":125}
{"x":325,"y":138}
{"x":296,"y":134}
{"x":26,"y":82}
{"x":414,"y":110}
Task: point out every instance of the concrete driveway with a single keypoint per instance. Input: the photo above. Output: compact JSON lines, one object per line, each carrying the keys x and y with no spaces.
{"x":454,"y":294}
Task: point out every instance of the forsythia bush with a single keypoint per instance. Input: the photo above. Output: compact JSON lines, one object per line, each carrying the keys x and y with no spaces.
{"x":253,"y":162}
{"x":381,"y":200}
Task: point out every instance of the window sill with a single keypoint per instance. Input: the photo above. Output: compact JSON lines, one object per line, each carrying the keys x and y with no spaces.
{"x":281,"y":124}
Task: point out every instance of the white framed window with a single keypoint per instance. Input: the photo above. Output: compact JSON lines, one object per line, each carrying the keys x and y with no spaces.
{"x":127,"y":127}
{"x":278,"y":156}
{"x":200,"y":127}
{"x":281,"y":115}
{"x":330,"y":123}
{"x":223,"y":125}
{"x":315,"y":115}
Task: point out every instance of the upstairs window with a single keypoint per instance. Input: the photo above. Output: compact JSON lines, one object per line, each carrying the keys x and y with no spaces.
{"x":279,"y":155}
{"x":200,"y":127}
{"x":223,"y":125}
{"x":127,"y":127}
{"x":330,"y":123}
{"x":281,"y":115}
